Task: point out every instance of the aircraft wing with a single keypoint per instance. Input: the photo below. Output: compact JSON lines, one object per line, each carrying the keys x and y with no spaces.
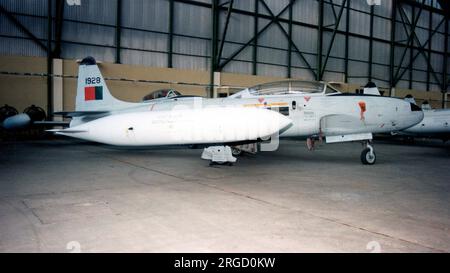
{"x":66,"y":131}
{"x":81,"y":113}
{"x":51,"y":123}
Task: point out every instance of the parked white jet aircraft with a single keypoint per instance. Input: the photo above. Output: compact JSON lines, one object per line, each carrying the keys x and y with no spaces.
{"x":300,"y":109}
{"x":435,"y":123}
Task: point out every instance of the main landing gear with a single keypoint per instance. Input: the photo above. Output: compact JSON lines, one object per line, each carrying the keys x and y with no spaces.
{"x":368,"y":156}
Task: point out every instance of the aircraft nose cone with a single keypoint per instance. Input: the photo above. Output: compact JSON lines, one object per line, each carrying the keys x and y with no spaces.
{"x":418,"y":112}
{"x":415,"y":108}
{"x":420,"y":116}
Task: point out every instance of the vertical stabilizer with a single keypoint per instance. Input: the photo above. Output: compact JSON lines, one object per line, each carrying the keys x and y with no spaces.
{"x":92,"y":92}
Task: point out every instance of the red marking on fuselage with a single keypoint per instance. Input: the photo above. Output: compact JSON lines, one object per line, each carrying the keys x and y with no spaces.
{"x":261,"y":100}
{"x":307,"y":98}
{"x":362,"y":107}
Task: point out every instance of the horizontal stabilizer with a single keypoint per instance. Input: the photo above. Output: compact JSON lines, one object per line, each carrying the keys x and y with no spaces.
{"x":52,"y":123}
{"x":81,"y":113}
{"x":67,"y":131}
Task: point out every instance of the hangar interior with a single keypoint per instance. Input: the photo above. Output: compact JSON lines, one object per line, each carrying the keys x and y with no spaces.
{"x":160,"y":200}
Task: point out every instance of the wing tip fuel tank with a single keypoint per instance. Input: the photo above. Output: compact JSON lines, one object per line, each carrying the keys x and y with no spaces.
{"x":186,"y":126}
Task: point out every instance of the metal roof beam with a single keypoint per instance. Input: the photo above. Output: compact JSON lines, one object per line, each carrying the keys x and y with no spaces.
{"x":230,"y":58}
{"x":420,"y":49}
{"x":287,"y":35}
{"x":19,"y":25}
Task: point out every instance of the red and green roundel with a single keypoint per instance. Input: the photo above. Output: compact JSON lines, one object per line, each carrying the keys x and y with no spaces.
{"x":93,"y":93}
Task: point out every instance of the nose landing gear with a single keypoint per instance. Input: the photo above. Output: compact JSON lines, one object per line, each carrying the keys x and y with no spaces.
{"x":368,"y":156}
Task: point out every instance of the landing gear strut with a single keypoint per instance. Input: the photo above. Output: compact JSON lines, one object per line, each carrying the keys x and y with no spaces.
{"x":368,"y":156}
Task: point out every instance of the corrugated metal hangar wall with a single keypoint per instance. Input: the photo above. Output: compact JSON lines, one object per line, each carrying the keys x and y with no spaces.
{"x":335,"y":40}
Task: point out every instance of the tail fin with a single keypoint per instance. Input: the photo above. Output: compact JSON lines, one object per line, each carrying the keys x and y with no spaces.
{"x":92,"y":92}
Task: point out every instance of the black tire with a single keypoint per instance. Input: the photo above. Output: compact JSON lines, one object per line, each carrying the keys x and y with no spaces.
{"x":366,"y":158}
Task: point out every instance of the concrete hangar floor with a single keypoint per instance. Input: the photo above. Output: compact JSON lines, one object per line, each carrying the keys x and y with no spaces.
{"x":65,"y":195}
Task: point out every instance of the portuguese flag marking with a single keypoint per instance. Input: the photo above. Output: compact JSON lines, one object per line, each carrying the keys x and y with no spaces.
{"x":93,"y":93}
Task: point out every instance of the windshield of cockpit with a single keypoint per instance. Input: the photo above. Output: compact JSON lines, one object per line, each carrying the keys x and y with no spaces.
{"x":162,"y":93}
{"x":287,"y":87}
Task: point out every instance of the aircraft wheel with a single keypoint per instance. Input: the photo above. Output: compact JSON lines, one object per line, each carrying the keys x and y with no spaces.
{"x":236,"y":151}
{"x":368,"y":157}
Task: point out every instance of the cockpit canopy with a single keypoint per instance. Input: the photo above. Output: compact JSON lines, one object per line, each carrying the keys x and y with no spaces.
{"x":287,"y":87}
{"x":162,"y":93}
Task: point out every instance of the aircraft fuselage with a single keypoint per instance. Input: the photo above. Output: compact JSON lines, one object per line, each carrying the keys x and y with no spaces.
{"x":330,"y":115}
